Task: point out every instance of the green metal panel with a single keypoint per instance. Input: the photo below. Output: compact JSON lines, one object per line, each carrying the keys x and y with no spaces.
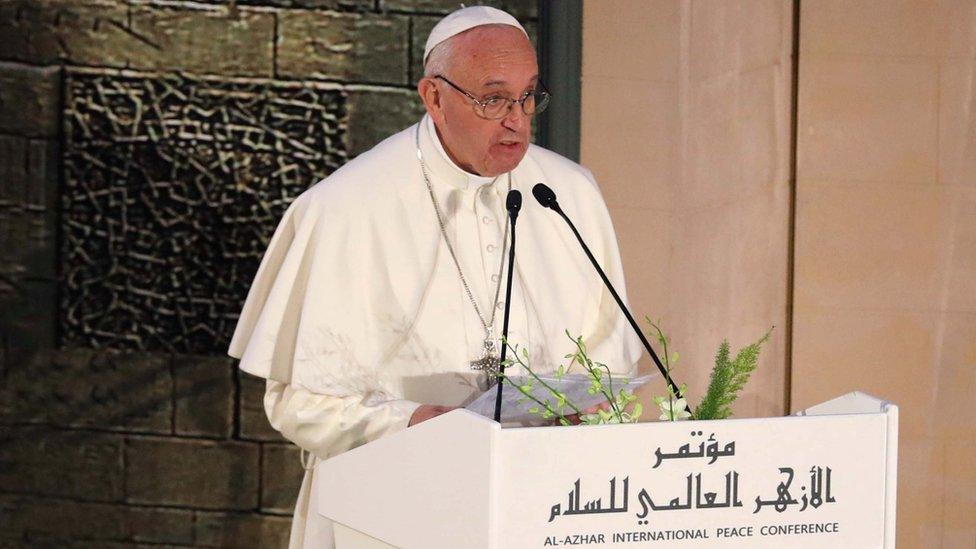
{"x":560,"y":59}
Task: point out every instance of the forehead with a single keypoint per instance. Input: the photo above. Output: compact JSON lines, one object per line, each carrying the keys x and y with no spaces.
{"x":496,"y":55}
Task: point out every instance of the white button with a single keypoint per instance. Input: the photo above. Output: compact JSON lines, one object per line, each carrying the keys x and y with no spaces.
{"x":491,"y":248}
{"x":486,"y":219}
{"x":500,"y":304}
{"x":494,"y":278}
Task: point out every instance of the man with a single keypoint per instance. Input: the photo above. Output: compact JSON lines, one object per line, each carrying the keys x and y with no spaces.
{"x":380,"y":290}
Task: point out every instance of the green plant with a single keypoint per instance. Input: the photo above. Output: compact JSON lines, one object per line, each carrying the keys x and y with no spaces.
{"x":728,"y":378}
{"x":673,"y":406}
{"x":624,"y":407}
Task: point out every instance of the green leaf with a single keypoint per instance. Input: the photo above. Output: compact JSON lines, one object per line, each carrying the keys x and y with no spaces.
{"x":728,"y":378}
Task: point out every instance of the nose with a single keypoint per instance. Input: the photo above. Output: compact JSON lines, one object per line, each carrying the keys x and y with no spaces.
{"x":516,"y":119}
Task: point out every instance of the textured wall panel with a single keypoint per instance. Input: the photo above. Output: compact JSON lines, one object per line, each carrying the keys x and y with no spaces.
{"x":342,"y":46}
{"x":172,"y":188}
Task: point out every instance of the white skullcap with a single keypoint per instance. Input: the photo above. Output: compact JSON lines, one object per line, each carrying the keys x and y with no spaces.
{"x":467,"y":18}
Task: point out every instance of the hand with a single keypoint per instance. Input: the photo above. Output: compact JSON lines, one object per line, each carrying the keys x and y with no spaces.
{"x":428,"y":411}
{"x":574,"y":419}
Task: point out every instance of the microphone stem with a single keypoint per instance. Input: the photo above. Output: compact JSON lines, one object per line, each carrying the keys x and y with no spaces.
{"x":613,"y":292}
{"x":508,"y":305}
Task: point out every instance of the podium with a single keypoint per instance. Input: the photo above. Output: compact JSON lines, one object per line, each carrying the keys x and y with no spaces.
{"x":824,"y":477}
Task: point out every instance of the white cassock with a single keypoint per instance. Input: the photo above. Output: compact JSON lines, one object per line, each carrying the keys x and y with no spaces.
{"x":357,"y":314}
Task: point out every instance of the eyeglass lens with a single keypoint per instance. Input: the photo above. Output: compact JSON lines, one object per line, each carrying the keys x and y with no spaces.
{"x":533,"y":103}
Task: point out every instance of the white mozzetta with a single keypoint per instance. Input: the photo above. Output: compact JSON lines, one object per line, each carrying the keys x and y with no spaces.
{"x":357,"y":295}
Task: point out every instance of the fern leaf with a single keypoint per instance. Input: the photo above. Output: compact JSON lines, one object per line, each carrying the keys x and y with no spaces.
{"x":710,"y":403}
{"x":728,"y":378}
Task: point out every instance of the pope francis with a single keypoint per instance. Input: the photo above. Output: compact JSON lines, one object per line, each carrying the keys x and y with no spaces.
{"x":380,"y":289}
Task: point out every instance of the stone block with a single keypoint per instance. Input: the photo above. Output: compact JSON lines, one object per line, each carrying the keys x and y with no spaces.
{"x":220,"y":41}
{"x":30,"y":100}
{"x":532,"y":29}
{"x":342,"y":46}
{"x":193,"y":473}
{"x":228,"y":530}
{"x":79,"y":388}
{"x":340,"y":5}
{"x":75,"y":464}
{"x":55,"y":31}
{"x":43,"y":164}
{"x":156,"y":525}
{"x":420,"y":30}
{"x":13,"y":168}
{"x":440,"y":7}
{"x":28,"y":256}
{"x":28,"y":321}
{"x":28,"y":218}
{"x":375,"y":114}
{"x":204,"y":395}
{"x":37,"y":521}
{"x":281,"y":477}
{"x":101,"y":33}
{"x":520,"y":9}
{"x":254,"y":420}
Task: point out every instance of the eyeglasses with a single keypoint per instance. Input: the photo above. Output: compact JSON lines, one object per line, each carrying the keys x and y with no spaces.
{"x":495,"y":107}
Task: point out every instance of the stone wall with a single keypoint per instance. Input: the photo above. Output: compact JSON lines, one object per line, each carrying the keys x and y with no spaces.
{"x":147,"y":150}
{"x":108,"y":447}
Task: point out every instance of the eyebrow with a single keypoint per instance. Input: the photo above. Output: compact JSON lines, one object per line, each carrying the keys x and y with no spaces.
{"x":496,"y":83}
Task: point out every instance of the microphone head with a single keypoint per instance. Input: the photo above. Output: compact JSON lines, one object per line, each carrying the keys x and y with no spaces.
{"x":545,"y":196}
{"x":513,"y":203}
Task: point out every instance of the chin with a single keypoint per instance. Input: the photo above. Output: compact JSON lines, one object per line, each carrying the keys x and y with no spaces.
{"x":504,"y":165}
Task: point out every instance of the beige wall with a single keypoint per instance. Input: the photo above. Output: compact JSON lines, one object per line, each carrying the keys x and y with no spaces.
{"x":685,"y":123}
{"x":686,"y":120}
{"x":885,"y":285}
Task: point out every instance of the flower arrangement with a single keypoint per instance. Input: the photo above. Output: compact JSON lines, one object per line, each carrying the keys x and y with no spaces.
{"x":727,"y":379}
{"x":622,"y":404}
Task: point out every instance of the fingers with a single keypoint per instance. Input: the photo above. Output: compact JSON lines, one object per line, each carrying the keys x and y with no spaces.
{"x":428,"y":411}
{"x":596,"y":408}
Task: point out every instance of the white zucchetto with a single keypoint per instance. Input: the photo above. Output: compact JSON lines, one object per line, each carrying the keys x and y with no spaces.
{"x":467,"y":18}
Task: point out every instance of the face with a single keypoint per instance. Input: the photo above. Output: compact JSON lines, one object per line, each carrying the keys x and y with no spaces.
{"x":486,"y":61}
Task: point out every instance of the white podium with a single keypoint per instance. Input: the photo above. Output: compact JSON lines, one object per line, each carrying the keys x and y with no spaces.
{"x":825,"y":477}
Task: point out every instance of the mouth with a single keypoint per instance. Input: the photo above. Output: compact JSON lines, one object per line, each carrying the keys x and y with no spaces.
{"x":510,"y":145}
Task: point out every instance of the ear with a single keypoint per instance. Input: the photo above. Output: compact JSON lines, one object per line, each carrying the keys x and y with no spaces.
{"x":431,"y":96}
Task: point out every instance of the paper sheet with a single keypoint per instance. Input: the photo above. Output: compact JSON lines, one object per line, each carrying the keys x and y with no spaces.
{"x":574,"y":386}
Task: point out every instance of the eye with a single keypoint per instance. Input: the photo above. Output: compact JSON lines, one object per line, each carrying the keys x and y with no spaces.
{"x":493,"y":100}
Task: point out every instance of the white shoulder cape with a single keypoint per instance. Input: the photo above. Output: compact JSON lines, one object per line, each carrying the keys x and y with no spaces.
{"x":353,"y":296}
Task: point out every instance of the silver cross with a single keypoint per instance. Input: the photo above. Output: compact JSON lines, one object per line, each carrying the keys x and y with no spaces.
{"x":488,"y":363}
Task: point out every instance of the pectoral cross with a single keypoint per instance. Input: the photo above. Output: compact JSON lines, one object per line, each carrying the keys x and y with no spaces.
{"x":488,"y":363}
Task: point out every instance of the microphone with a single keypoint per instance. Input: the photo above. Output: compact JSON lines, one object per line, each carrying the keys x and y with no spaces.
{"x":547,"y":198}
{"x":513,"y":203}
{"x":544,"y":195}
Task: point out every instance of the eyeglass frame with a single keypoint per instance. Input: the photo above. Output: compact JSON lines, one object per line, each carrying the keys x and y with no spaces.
{"x":483,"y":103}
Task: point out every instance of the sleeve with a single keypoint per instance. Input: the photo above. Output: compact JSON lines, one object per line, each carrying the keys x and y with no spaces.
{"x":328,"y":425}
{"x":606,"y":323}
